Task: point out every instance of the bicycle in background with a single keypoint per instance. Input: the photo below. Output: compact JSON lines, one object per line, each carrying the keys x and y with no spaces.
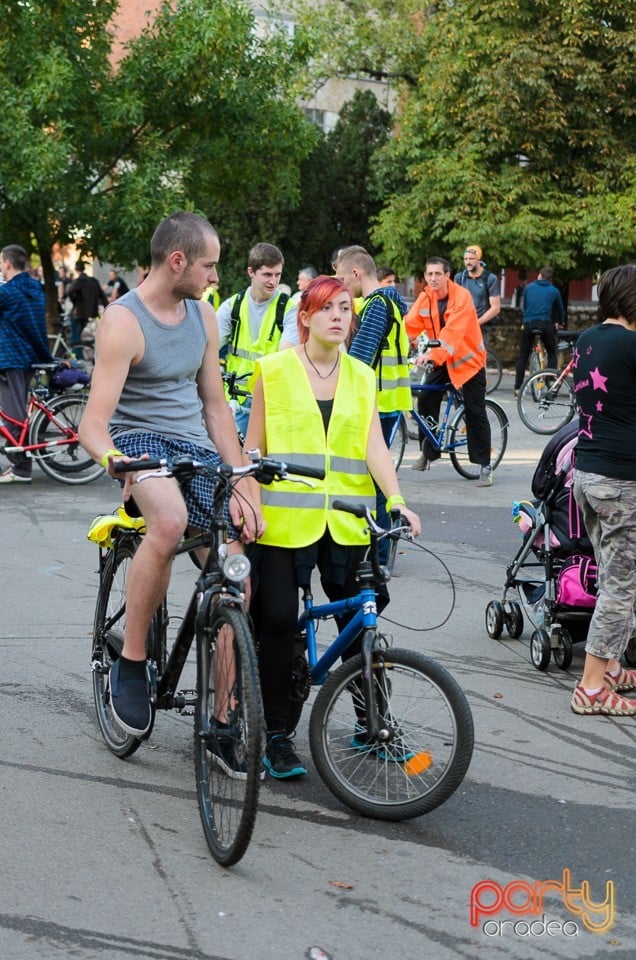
{"x":49,"y":432}
{"x":449,"y":435}
{"x":546,"y":401}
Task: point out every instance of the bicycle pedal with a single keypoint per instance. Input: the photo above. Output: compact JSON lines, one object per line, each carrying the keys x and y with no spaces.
{"x":184,"y":701}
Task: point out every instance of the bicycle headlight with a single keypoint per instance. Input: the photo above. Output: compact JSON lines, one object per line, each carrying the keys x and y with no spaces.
{"x":236,"y":567}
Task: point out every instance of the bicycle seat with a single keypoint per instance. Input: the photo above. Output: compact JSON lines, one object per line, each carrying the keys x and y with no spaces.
{"x":570,"y":336}
{"x":101,"y":529}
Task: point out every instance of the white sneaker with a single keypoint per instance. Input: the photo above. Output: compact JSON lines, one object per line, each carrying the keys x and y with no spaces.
{"x":486,"y":477}
{"x":10,"y":477}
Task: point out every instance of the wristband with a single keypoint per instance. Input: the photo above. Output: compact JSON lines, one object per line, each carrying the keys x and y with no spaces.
{"x":108,"y":455}
{"x":395,"y":501}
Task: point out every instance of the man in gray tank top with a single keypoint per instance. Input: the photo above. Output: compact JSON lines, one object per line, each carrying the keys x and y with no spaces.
{"x":157,"y":389}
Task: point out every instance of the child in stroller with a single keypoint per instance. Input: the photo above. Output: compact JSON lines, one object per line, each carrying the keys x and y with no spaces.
{"x":553,"y":573}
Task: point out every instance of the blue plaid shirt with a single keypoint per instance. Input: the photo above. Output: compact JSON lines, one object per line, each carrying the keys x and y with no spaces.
{"x":23,"y":337}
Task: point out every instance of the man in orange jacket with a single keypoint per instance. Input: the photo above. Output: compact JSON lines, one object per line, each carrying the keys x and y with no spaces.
{"x":445,"y":311}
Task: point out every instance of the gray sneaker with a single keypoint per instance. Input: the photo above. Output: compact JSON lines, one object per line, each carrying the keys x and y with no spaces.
{"x":486,"y":477}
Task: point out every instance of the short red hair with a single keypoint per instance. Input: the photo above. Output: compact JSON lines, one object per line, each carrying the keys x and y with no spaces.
{"x":314,"y":297}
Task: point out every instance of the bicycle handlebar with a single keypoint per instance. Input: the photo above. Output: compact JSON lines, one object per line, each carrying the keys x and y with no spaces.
{"x":263,"y":469}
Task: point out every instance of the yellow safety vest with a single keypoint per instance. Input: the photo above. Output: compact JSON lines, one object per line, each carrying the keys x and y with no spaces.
{"x":243,"y":352}
{"x":296,"y":514}
{"x":391,"y":365}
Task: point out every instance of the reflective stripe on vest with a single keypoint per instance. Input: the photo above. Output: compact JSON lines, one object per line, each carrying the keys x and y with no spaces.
{"x":297,"y":514}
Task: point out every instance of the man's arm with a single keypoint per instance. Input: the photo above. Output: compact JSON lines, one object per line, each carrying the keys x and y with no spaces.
{"x":289,"y":336}
{"x":224,"y":322}
{"x":494,"y":298}
{"x":558,"y":303}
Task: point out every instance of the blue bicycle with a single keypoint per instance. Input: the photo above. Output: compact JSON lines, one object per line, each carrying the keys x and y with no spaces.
{"x":390,"y":731}
{"x":449,"y":434}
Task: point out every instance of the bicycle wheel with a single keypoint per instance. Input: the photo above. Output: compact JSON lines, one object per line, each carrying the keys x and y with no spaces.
{"x":67,"y":462}
{"x":546,"y":402}
{"x":494,"y":371}
{"x":538,"y":359}
{"x":398,"y":444}
{"x":431,"y":742}
{"x":108,"y":640}
{"x":498,"y":440}
{"x":227,"y":758}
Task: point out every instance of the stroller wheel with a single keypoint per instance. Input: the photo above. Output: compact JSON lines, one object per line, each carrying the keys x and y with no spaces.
{"x":562,"y":653}
{"x":494,"y":619}
{"x":514,"y":620}
{"x":540,"y":649}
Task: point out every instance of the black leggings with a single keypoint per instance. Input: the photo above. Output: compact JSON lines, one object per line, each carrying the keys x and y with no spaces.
{"x":274,"y":610}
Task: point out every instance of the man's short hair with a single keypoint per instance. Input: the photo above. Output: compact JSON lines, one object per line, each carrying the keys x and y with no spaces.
{"x":184,"y":231}
{"x":441,"y":262}
{"x":384,"y":272}
{"x":358,"y":258}
{"x":16,"y":255}
{"x":546,"y":272}
{"x":264,"y":255}
{"x":310,"y":272}
{"x":617,"y":293}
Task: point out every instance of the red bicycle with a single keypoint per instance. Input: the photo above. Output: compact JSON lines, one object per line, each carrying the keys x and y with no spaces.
{"x":49,"y":433}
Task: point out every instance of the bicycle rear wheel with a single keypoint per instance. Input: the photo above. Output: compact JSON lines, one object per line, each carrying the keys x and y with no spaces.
{"x":398,"y":444}
{"x":108,"y":640}
{"x":494,"y":371}
{"x":546,"y":402}
{"x":228,"y":756}
{"x":538,"y":360}
{"x":458,"y":435}
{"x":431,"y":742}
{"x":63,"y":459}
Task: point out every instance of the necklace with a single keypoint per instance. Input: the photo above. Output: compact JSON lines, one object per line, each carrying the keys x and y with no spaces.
{"x":323,"y":376}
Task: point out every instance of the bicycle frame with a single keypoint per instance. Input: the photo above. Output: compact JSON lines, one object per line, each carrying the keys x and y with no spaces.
{"x":364,"y":603}
{"x":17,"y":445}
{"x":437,"y":441}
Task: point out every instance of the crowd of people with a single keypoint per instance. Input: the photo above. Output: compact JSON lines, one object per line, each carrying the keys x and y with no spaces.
{"x":327,"y":377}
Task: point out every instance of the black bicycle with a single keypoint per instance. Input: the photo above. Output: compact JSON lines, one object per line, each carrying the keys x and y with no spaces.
{"x":228,"y":714}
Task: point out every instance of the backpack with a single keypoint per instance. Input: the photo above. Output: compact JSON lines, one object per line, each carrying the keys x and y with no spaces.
{"x":576,"y":582}
{"x":485,"y":278}
{"x":281,"y":305}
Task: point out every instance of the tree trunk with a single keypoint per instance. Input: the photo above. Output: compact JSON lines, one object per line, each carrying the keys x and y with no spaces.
{"x":50,"y":289}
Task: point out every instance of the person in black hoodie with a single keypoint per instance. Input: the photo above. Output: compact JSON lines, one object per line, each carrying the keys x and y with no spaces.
{"x":86,"y":295}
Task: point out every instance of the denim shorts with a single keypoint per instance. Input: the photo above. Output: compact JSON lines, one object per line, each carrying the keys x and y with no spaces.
{"x":198,"y":490}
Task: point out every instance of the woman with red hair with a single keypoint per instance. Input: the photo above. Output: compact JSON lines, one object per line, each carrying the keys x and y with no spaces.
{"x":312,"y":404}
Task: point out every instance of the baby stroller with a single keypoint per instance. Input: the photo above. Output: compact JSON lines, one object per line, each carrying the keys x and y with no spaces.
{"x":553,"y":573}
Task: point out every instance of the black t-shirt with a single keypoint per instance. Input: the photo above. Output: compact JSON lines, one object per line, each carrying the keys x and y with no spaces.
{"x":605,"y":386}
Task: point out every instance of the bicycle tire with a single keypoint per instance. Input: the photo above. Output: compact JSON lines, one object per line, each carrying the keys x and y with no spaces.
{"x":398,"y":444}
{"x":538,"y":360}
{"x":227,"y":806}
{"x":494,"y":371}
{"x":108,"y":639}
{"x":544,"y":404}
{"x":498,"y":440}
{"x":434,"y":724}
{"x":66,"y":462}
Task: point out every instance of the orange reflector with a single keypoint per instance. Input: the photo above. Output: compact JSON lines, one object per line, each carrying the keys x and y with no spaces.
{"x":418,"y":764}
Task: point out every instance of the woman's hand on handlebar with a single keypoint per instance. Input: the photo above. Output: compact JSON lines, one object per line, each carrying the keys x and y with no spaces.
{"x":412,"y":519}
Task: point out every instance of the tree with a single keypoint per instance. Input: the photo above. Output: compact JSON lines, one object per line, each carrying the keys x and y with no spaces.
{"x":516,"y":129}
{"x":339,"y":198}
{"x":197,"y":115}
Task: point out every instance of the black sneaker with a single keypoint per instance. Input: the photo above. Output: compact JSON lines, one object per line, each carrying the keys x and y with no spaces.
{"x":129,"y":699}
{"x":227,"y":755}
{"x":281,"y":759}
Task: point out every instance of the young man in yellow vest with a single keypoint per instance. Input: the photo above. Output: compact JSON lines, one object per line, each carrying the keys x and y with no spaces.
{"x":381,"y":342}
{"x":257,"y":320}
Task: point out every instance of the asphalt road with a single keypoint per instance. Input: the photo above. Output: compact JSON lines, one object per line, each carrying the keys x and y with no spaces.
{"x":103,"y":858}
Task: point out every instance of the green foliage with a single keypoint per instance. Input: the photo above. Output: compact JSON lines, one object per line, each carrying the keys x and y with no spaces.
{"x":196,"y":115}
{"x":339,"y":197}
{"x":516,"y":129}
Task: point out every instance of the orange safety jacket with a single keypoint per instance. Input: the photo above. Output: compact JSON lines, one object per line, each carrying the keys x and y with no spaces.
{"x":462,"y":348}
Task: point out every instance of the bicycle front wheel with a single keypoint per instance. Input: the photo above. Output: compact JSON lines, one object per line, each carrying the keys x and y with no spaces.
{"x":431,"y":736}
{"x":228,"y":733}
{"x":63,"y":458}
{"x":398,"y":444}
{"x":546,"y":402}
{"x":494,"y":371}
{"x":108,"y":640}
{"x":458,"y":440}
